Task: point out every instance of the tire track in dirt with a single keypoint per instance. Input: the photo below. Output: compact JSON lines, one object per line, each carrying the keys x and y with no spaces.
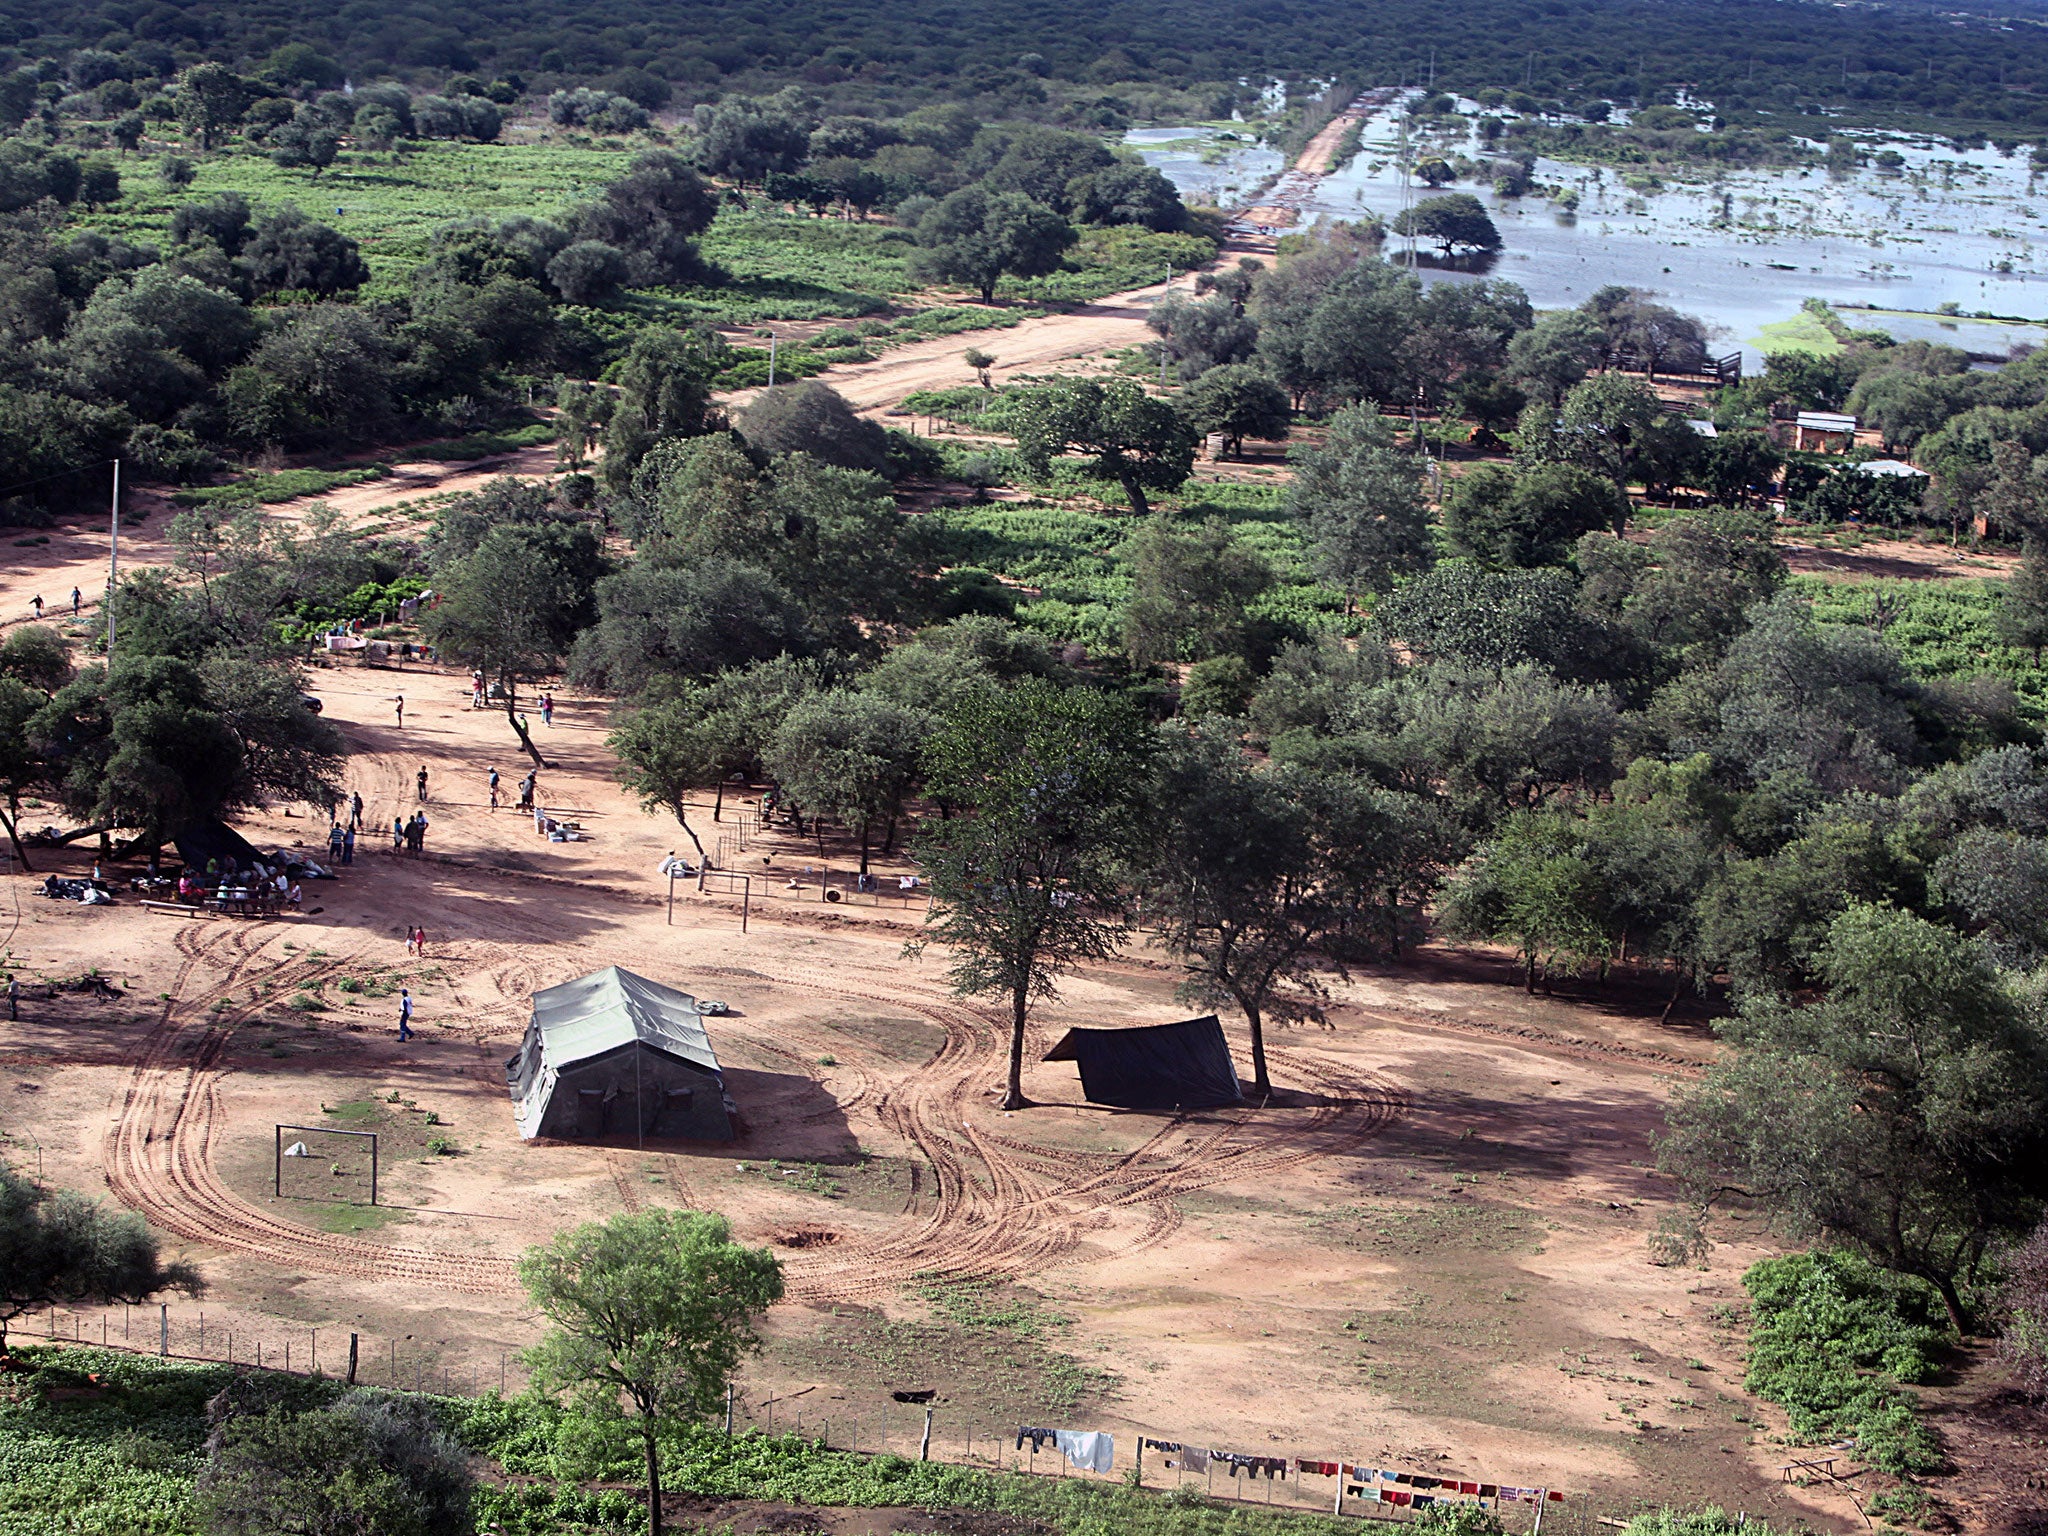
{"x":1007,"y":1207}
{"x":158,"y":1151}
{"x":1000,"y":1206}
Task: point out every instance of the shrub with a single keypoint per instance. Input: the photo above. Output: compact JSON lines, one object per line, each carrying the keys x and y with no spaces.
{"x":1832,"y":1339}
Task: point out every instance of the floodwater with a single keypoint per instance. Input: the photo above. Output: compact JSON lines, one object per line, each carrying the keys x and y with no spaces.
{"x":1741,"y":249}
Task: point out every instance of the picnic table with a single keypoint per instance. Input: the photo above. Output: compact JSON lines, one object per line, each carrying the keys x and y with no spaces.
{"x":243,"y":901}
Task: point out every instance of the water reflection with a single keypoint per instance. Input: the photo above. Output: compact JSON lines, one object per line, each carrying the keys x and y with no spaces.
{"x":1742,"y":247}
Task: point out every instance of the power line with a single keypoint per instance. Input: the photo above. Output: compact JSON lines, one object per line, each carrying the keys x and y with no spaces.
{"x":62,"y":474}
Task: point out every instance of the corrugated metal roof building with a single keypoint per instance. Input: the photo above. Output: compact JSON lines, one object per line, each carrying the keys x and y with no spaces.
{"x":614,"y":1054}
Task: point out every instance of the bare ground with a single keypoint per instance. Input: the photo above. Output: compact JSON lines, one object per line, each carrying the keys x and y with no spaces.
{"x":1429,"y":1248}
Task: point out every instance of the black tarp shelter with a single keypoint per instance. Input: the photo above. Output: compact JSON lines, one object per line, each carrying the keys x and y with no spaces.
{"x":614,"y":1054}
{"x":1153,"y":1066}
{"x":213,"y":839}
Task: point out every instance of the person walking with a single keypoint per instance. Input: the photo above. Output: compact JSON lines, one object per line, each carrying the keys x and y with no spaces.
{"x":401,"y":711}
{"x":348,"y":845}
{"x":334,"y":842}
{"x":37,"y":603}
{"x":14,"y":999}
{"x":74,"y":602}
{"x":404,"y":1014}
{"x":397,"y":833}
{"x":547,"y":710}
{"x":409,"y":949}
{"x":419,"y":942}
{"x":423,"y":783}
{"x":494,"y":789}
{"x":355,"y":809}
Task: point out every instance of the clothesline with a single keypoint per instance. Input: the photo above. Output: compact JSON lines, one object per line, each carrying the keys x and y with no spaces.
{"x":1094,"y":1451}
{"x":1401,"y":1488}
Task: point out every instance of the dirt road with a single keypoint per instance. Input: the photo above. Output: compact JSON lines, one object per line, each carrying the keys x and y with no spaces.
{"x":1283,"y":203}
{"x":1052,"y":343}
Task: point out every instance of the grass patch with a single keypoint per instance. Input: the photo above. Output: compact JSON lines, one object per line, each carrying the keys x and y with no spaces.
{"x":263,"y":488}
{"x":1832,"y":1340}
{"x":1803,"y":333}
{"x":390,"y":203}
{"x":350,"y":1219}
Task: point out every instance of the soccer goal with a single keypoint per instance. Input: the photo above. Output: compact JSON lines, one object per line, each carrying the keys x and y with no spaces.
{"x":316,"y":1162}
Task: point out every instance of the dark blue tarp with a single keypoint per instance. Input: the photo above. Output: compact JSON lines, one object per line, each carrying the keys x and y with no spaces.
{"x":1153,"y":1066}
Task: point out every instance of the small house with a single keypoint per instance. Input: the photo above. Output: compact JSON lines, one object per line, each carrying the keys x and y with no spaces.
{"x":1823,"y":432}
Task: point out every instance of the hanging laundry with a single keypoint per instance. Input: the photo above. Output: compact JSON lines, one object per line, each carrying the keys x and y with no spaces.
{"x":1354,"y":1491}
{"x":1087,"y":1449}
{"x":1489,"y":1490}
{"x":1424,"y":1500}
{"x":1403,"y":1498}
{"x":1423,"y":1482}
{"x":1389,"y":1475}
{"x":1404,"y":1477}
{"x":1552,"y":1493}
{"x":1468,"y":1488}
{"x":1386,"y":1495}
{"x":1037,"y":1437}
{"x":1169,"y":1446}
{"x":1320,"y":1468}
{"x":1194,"y":1460}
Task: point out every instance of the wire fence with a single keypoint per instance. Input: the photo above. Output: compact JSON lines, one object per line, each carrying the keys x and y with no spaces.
{"x":910,"y":1430}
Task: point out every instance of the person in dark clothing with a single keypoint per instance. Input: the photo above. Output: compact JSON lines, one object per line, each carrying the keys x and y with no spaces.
{"x":423,"y":783}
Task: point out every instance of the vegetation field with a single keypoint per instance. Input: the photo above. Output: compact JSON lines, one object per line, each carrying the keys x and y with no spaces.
{"x":390,"y":203}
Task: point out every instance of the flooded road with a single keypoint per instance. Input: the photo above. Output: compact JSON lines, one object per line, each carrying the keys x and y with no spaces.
{"x":1741,"y":248}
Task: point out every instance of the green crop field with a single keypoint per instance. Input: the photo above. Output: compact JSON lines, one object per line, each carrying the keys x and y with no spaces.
{"x":391,"y":203}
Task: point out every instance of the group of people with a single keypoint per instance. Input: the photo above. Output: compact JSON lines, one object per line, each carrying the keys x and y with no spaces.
{"x":341,"y":841}
{"x":225,"y":880}
{"x":37,"y":603}
{"x":409,"y":834}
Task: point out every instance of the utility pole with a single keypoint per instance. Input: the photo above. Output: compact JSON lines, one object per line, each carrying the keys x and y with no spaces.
{"x":773,"y":340}
{"x":113,"y":561}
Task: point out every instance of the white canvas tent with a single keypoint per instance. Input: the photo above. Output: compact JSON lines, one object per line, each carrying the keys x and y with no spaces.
{"x":613,"y":1054}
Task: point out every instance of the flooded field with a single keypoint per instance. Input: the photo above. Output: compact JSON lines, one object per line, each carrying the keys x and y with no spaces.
{"x":1741,"y":248}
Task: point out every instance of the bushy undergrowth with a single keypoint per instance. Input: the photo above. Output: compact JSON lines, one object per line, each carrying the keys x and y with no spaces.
{"x":1832,"y":1340}
{"x":1939,"y":628}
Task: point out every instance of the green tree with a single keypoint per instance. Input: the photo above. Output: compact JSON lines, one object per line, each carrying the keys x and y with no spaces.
{"x":1239,"y":401}
{"x":511,"y":607}
{"x":653,"y":1313}
{"x":659,"y":622}
{"x":1606,"y":425}
{"x":665,"y":391}
{"x":211,"y":99}
{"x":2023,"y":604}
{"x":1140,"y":442}
{"x":1502,"y":518}
{"x":975,"y":235}
{"x":61,"y":1249}
{"x":1458,"y":222}
{"x":1191,"y":592}
{"x":1361,"y":498}
{"x":1555,"y":353}
{"x":851,"y":756}
{"x":1533,"y":887}
{"x":813,"y":418}
{"x":1903,"y":1115}
{"x":1255,"y":870}
{"x":706,"y":732}
{"x":1026,"y":878}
